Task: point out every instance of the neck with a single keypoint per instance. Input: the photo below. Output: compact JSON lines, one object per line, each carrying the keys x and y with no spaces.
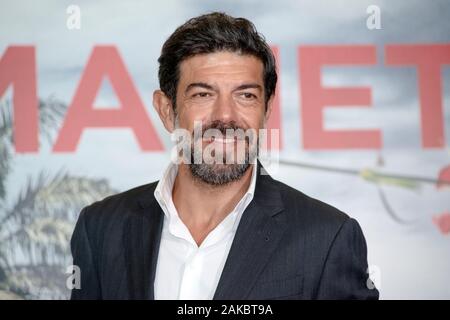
{"x":202,"y":206}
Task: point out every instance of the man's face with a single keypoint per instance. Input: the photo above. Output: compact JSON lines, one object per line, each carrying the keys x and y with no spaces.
{"x":221,"y":86}
{"x":222,"y":90}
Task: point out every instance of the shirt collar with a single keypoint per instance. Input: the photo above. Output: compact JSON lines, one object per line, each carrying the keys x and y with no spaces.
{"x":163,"y":191}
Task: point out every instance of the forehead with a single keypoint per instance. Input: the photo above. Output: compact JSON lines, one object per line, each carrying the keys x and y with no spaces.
{"x":223,"y":65}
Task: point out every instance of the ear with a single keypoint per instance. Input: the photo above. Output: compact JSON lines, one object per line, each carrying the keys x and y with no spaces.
{"x":163,"y":105}
{"x":269,"y":110}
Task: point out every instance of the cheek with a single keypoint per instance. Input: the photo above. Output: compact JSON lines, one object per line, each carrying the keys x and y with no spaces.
{"x":189,"y":116}
{"x":253,"y":120}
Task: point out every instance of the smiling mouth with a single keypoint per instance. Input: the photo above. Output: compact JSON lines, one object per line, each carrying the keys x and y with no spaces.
{"x":220,"y":140}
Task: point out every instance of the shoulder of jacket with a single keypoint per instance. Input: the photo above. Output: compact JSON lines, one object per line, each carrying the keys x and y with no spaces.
{"x":126,"y":200}
{"x":312,"y":211}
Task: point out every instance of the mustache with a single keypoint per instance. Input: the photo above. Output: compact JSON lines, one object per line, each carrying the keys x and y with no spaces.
{"x":222,"y":126}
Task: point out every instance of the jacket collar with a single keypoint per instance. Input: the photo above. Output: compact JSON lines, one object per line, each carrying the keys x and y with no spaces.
{"x":260,"y":229}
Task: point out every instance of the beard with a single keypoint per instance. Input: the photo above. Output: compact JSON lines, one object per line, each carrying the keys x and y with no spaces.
{"x":219,"y":174}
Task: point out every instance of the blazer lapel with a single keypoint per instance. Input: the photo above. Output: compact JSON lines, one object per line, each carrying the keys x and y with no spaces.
{"x":259,"y":231}
{"x":142,"y":239}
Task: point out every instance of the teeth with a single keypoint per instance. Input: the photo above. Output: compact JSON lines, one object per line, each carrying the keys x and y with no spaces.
{"x":219,"y":140}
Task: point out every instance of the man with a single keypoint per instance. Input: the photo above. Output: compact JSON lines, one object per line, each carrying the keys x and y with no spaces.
{"x":215,"y":230}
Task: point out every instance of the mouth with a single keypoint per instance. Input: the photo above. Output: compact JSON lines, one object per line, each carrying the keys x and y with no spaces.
{"x":219,"y":140}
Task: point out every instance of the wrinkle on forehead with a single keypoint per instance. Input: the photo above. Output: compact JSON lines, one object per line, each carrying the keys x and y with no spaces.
{"x":221,"y":67}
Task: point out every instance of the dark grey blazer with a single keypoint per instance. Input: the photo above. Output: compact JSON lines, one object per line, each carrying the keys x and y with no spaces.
{"x":287,"y":246}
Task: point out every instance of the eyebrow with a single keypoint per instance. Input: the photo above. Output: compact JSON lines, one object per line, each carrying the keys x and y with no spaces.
{"x":249,"y":86}
{"x":210,"y":87}
{"x":199,"y":85}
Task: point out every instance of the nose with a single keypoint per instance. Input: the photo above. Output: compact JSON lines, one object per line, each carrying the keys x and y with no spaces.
{"x":224,"y":109}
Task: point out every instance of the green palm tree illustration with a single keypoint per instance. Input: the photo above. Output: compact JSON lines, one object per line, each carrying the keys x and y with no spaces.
{"x":35,"y":229}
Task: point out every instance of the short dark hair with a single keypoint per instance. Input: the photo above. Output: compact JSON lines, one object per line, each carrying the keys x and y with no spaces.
{"x":211,"y":33}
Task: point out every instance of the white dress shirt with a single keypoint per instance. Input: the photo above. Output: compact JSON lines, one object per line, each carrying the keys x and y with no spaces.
{"x":185,"y":270}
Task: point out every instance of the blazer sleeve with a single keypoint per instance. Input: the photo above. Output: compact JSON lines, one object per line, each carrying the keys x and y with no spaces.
{"x":345,"y":271}
{"x":84,"y":259}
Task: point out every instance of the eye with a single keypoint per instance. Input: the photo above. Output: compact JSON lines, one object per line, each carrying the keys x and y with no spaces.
{"x":248,"y":95}
{"x":201,"y":95}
